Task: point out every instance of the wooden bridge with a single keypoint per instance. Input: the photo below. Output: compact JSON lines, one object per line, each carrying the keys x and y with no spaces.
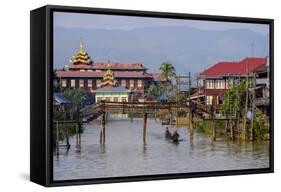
{"x":100,"y":109}
{"x":94,"y":111}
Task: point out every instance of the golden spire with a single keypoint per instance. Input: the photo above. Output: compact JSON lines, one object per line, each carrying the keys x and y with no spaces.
{"x":108,"y":77}
{"x":81,"y":57}
{"x":81,"y":46}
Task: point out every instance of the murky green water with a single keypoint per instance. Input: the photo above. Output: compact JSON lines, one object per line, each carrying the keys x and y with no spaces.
{"x":124,"y":153}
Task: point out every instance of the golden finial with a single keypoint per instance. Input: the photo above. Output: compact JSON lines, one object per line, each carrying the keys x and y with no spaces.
{"x":81,"y":46}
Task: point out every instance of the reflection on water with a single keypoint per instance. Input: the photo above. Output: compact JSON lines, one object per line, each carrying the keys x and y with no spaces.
{"x":124,"y":153}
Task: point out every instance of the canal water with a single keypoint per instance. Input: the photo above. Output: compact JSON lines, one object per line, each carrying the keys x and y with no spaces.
{"x":124,"y":153}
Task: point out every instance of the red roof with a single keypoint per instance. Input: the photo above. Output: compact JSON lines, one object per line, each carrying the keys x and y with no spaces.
{"x":234,"y":68}
{"x":114,"y":66}
{"x":128,"y":74}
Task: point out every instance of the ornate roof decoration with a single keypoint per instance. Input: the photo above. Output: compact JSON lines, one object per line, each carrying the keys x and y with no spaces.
{"x":81,"y":57}
{"x":108,"y":78}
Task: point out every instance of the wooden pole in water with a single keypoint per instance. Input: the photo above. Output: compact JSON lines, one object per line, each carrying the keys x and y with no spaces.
{"x":101,"y":135}
{"x":57,"y":139}
{"x":213,"y":125}
{"x":103,"y":127}
{"x":66,"y":136}
{"x":77,"y":132}
{"x":144,"y":127}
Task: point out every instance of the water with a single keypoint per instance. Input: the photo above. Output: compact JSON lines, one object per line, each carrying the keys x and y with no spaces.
{"x":124,"y":153}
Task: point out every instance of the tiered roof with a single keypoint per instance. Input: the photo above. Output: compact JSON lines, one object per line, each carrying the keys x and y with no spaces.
{"x":83,"y":67}
{"x":108,"y":78}
{"x":81,"y":57}
{"x":113,"y":66}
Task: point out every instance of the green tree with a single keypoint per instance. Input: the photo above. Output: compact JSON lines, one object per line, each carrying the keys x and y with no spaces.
{"x":154,"y":91}
{"x":77,"y":97}
{"x":167,"y":70}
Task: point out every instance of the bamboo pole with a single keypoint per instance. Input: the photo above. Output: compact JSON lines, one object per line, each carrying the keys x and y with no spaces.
{"x":245,"y":108}
{"x":144,"y":127}
{"x":253,"y":107}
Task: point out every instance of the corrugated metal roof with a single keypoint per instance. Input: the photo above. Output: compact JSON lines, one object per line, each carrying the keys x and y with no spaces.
{"x":243,"y":67}
{"x":61,"y":99}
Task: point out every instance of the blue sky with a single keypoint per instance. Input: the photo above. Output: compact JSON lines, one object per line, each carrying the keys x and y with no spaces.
{"x":84,"y":20}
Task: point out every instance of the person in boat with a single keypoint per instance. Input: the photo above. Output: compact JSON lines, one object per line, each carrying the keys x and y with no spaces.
{"x":175,"y":136}
{"x":167,"y":133}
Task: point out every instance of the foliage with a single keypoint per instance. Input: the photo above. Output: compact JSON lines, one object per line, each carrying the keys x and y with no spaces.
{"x":167,"y":70}
{"x":234,"y":102}
{"x":234,"y":97}
{"x":76,"y":96}
{"x":153,"y":91}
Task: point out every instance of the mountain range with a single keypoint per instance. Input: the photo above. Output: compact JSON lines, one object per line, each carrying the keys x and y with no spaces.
{"x":187,"y":48}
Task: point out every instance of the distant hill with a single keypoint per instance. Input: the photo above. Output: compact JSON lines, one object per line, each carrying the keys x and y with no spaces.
{"x":189,"y":49}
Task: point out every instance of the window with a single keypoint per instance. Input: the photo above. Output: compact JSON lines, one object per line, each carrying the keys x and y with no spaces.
{"x":220,"y":84}
{"x":99,"y":99}
{"x":226,"y":84}
{"x":72,"y":83}
{"x":132,"y":83}
{"x":124,"y":99}
{"x":210,"y":84}
{"x":107,"y":99}
{"x":90,"y":83}
{"x":139,"y":83}
{"x":81,"y":83}
{"x":209,"y":100}
{"x":123,"y":83}
{"x":63,"y":83}
{"x":115,"y":99}
{"x":98,"y":83}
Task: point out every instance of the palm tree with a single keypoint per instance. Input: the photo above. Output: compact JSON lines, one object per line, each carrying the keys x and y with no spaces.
{"x":167,"y":70}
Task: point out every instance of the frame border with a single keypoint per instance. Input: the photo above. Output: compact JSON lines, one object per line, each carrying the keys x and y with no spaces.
{"x":50,"y":9}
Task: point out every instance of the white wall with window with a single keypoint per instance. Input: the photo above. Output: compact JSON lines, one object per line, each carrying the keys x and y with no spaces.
{"x":139,"y":83}
{"x":132,"y":83}
{"x":81,"y":83}
{"x":98,"y":83}
{"x":123,"y":82}
{"x":220,"y":84}
{"x":99,"y":99}
{"x":210,"y":84}
{"x":64,"y":83}
{"x":90,"y":83}
{"x":72,"y":83}
{"x":124,"y":99}
{"x":209,"y":100}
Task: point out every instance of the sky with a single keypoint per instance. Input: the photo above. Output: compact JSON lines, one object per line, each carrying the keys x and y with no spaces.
{"x":130,"y":39}
{"x":84,"y":20}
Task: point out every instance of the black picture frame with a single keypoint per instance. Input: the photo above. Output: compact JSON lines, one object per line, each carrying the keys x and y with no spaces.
{"x":41,"y":55}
